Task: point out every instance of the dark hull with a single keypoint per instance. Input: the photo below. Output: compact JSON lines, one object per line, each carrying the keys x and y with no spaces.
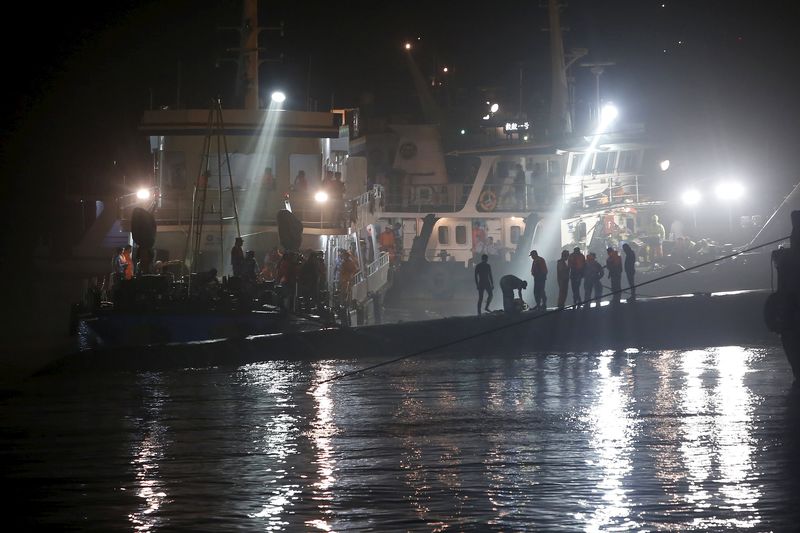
{"x":136,"y":329}
{"x":657,"y":324}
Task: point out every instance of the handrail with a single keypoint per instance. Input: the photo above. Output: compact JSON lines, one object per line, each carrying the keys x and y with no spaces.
{"x":372,"y":268}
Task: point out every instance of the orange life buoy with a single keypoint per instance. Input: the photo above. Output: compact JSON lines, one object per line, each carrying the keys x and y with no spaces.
{"x":487,"y":201}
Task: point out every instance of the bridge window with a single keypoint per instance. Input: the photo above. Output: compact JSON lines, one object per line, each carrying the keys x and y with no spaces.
{"x":575,"y":168}
{"x":444,"y":235}
{"x":515,"y":234}
{"x":461,"y":235}
{"x":604,"y":162}
{"x":628,"y":161}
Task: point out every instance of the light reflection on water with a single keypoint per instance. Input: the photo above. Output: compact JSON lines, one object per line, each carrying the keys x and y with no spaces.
{"x":694,"y":440}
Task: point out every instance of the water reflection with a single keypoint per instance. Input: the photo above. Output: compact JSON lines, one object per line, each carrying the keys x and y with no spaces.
{"x":613,"y":431}
{"x":321,"y":434}
{"x":147,"y":454}
{"x":682,"y":440}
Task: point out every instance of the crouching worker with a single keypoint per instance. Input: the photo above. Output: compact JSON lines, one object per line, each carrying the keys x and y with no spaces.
{"x":509,"y":284}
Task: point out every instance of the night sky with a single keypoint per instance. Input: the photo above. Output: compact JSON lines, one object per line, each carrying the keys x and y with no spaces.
{"x":715,"y":79}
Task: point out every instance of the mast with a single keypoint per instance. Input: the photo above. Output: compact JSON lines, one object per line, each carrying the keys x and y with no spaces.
{"x":249,"y":53}
{"x":560,"y":123}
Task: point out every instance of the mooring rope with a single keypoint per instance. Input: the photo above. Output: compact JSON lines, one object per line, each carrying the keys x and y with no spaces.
{"x":540,"y":315}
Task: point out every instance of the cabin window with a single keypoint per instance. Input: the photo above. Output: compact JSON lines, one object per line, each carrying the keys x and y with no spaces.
{"x":575,"y":168}
{"x":515,"y":234}
{"x":604,"y":162}
{"x":628,"y":161}
{"x":461,"y":235}
{"x":444,"y":235}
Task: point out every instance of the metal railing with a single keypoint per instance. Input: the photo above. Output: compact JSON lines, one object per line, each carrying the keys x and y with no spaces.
{"x":442,"y":197}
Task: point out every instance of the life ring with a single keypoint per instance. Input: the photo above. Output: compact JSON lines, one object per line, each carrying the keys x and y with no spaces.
{"x":487,"y":201}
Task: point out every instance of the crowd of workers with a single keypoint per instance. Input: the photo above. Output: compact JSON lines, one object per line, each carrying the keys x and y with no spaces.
{"x":583,"y":273}
{"x":301,"y":277}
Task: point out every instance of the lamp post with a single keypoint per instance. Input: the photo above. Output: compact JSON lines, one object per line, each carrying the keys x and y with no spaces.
{"x":729,"y":192}
{"x":321,"y":197}
{"x":690,"y":198}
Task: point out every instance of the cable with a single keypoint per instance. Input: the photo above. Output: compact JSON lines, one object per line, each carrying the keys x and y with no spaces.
{"x":536,"y":317}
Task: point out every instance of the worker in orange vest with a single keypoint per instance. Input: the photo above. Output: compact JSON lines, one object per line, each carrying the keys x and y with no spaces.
{"x":126,"y":256}
{"x":386,"y":242}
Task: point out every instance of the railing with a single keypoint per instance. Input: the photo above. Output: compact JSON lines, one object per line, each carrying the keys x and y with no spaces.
{"x":512,"y":197}
{"x":377,"y":276}
{"x":603,"y":190}
{"x":441,"y":197}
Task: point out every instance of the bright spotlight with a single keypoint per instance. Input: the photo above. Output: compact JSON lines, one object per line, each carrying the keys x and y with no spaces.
{"x":494,"y":108}
{"x":664,"y":165}
{"x":729,"y":190}
{"x":463,"y":132}
{"x":278,"y":97}
{"x":444,"y":70}
{"x":691,"y":197}
{"x":321,"y":197}
{"x":407,"y":46}
{"x":143,"y":194}
{"x":609,"y":113}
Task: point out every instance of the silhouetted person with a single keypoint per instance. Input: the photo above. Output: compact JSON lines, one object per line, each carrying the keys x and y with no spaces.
{"x":484,"y":282}
{"x":562,"y":275}
{"x":509,"y":284}
{"x":630,"y":269}
{"x":237,"y":257}
{"x":539,"y":273}
{"x":576,"y":262}
{"x":250,"y":268}
{"x":614,"y":267}
{"x":592,"y":274}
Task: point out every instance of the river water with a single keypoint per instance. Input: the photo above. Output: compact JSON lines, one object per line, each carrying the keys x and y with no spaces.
{"x":680,"y":440}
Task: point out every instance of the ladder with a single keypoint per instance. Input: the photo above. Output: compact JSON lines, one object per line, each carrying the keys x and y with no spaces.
{"x":201,"y":198}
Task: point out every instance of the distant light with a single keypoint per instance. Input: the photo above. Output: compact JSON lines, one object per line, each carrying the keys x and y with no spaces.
{"x":463,"y":132}
{"x":729,"y":190}
{"x":486,"y":117}
{"x":444,"y":69}
{"x":407,"y":46}
{"x":321,"y":197}
{"x":278,"y":97}
{"x":664,"y":165}
{"x":691,"y":197}
{"x":488,"y":102}
{"x":143,"y":194}
{"x":525,"y":138}
{"x":494,"y":108}
{"x":608,"y":114}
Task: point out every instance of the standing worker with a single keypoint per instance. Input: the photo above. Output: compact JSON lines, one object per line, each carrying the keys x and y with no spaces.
{"x":509,"y":284}
{"x":592,"y":273}
{"x":237,"y":257}
{"x":484,"y":282}
{"x":386,"y":243}
{"x":614,"y":267}
{"x":576,"y":262}
{"x":630,"y":269}
{"x":539,"y":273}
{"x":128,"y":260}
{"x":562,"y":275}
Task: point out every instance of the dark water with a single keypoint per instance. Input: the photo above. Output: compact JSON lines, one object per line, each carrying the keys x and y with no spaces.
{"x":694,"y":440}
